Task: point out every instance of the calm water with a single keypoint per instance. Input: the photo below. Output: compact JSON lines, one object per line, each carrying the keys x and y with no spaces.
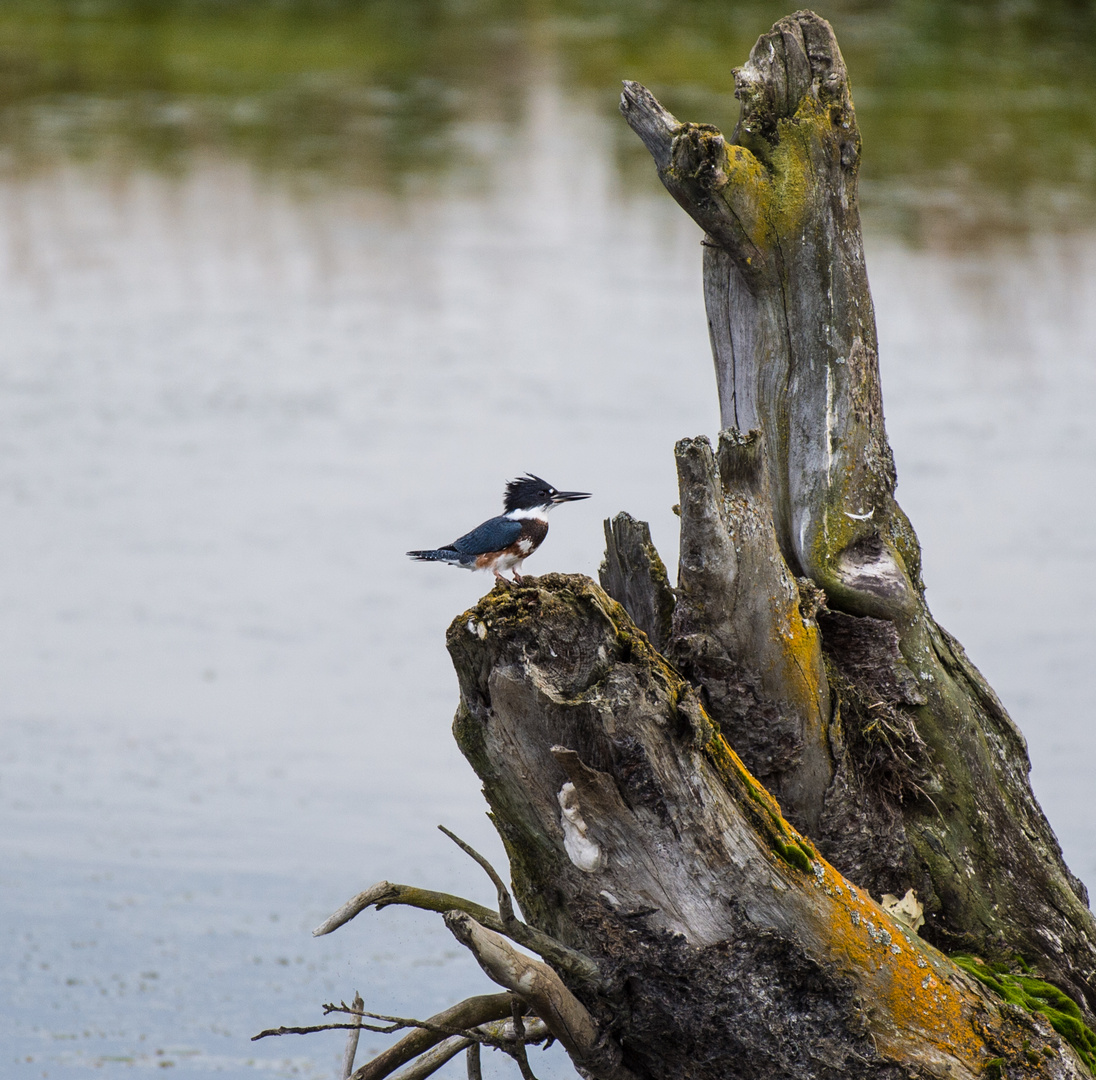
{"x":240,"y":376}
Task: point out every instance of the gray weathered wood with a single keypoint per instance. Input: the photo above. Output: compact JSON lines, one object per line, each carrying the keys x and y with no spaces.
{"x":930,"y":785}
{"x":789,"y":310}
{"x":729,"y":947}
{"x":741,"y":630}
{"x":633,"y":574}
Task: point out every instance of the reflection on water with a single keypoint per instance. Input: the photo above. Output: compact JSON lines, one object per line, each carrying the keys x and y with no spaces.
{"x":228,"y":413}
{"x":977,"y":117}
{"x":230,"y":399}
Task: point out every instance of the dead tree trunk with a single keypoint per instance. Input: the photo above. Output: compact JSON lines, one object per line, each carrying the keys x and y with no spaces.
{"x":689,"y":924}
{"x":726,"y":946}
{"x":930,"y":787}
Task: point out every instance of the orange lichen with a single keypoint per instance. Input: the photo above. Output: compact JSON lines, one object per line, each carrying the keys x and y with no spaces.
{"x":917,"y":993}
{"x":916,"y":989}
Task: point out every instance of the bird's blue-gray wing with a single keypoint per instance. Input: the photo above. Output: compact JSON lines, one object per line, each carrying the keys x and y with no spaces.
{"x":492,"y":535}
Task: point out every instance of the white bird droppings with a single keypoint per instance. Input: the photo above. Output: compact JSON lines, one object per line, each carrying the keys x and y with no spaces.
{"x":581,"y":850}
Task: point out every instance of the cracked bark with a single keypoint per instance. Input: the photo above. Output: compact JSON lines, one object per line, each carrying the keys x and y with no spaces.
{"x":727,"y":946}
{"x":698,"y":836}
{"x":930,"y":776}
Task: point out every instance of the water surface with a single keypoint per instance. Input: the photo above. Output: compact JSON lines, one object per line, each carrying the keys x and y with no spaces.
{"x":266,"y":326}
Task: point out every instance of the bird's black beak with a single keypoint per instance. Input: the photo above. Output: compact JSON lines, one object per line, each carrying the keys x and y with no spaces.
{"x":569,"y":496}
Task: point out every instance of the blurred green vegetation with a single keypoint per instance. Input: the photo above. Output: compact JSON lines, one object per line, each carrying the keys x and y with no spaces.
{"x":976,"y":116}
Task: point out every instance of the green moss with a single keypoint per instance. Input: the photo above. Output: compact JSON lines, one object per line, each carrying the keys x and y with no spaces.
{"x":995,"y":1068}
{"x":794,"y":854}
{"x":764,"y":811}
{"x":1036,"y":995}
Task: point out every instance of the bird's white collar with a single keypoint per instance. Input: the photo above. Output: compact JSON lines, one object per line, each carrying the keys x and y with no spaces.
{"x":536,"y":513}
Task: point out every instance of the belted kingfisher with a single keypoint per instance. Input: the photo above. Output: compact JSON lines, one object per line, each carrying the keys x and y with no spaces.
{"x":505,"y":542}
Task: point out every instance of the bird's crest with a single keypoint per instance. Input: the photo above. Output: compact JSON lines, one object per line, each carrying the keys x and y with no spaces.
{"x":526,"y":492}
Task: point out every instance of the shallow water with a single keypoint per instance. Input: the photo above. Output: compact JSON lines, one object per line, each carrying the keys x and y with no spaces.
{"x":228,"y":405}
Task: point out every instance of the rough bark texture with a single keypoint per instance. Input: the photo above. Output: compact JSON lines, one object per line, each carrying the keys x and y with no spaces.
{"x":740,"y":628}
{"x":728,"y":947}
{"x":633,"y":572}
{"x":930,"y":776}
{"x":687,"y":928}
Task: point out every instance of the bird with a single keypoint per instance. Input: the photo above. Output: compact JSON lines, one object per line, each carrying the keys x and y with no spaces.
{"x":505,"y":542}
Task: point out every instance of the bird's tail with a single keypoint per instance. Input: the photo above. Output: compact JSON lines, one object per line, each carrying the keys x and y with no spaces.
{"x":447,"y":555}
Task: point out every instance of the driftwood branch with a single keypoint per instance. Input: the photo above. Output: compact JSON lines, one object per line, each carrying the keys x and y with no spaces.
{"x":385,"y":893}
{"x":351,"y":1051}
{"x":473,"y":1064}
{"x":506,"y":904}
{"x":311,"y":1029}
{"x":545,"y":993}
{"x":456,"y":1020}
{"x":440,"y":1026}
{"x":433,"y":1042}
{"x":501,"y":1034}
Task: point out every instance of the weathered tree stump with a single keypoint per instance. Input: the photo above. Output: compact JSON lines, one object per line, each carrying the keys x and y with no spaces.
{"x":725,"y":944}
{"x":931,"y":776}
{"x":702,"y":815}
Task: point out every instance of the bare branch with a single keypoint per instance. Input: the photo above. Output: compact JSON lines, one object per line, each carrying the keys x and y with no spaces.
{"x":654,"y":124}
{"x":485,"y":1033}
{"x":342,"y":1007}
{"x":499,"y":1034}
{"x":575,"y":964}
{"x":384,"y":893}
{"x":427,"y":1064}
{"x":351,"y":1051}
{"x":472,"y":1063}
{"x":506,"y":904}
{"x":518,"y":1053}
{"x":322,"y":1027}
{"x":400,"y":1022}
{"x":538,"y":985}
{"x":534,"y":982}
{"x":452,"y":1021}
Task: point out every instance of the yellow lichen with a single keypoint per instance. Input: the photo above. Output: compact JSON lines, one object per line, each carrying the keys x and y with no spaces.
{"x":913,"y":988}
{"x":916,"y":990}
{"x":748,"y":190}
{"x":802,"y":657}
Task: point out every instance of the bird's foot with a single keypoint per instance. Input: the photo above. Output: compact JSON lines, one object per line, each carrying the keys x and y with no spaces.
{"x":518,"y":578}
